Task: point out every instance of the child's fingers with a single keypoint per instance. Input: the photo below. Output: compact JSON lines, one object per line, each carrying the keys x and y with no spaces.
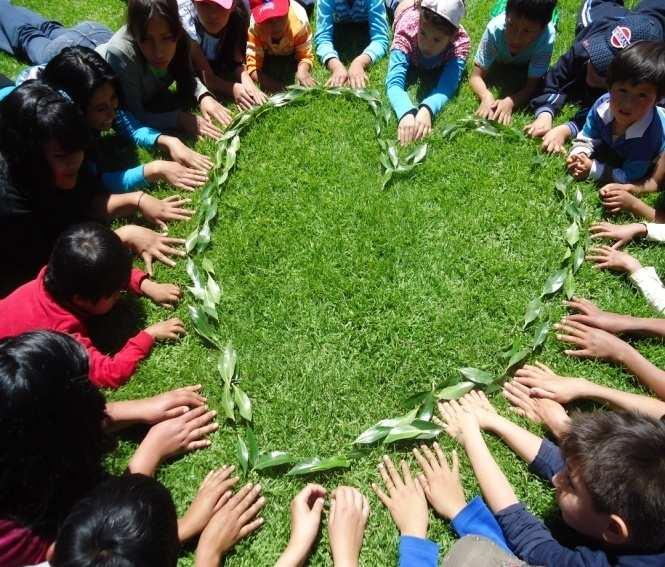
{"x":582,"y":353}
{"x":223,"y":499}
{"x":406,"y":473}
{"x":199,"y":444}
{"x":250,"y":528}
{"x":252,"y":510}
{"x":431,"y":459}
{"x":379,"y":494}
{"x":392,"y":471}
{"x":387,"y":480}
{"x":424,"y":463}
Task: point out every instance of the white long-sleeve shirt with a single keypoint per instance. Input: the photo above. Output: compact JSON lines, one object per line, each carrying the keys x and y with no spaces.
{"x":646,"y":278}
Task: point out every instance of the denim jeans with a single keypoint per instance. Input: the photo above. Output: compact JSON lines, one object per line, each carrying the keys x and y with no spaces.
{"x":27,"y":35}
{"x":477,"y":551}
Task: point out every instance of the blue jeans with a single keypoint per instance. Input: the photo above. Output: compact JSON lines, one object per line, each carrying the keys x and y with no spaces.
{"x":27,"y":35}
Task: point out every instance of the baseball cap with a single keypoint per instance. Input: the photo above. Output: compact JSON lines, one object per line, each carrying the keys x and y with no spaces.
{"x":263,"y":10}
{"x":226,"y":4}
{"x":604,"y":45}
{"x":451,"y":10}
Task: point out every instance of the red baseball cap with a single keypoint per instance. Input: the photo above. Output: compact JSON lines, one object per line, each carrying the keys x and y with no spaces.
{"x":263,"y":10}
{"x":226,"y":4}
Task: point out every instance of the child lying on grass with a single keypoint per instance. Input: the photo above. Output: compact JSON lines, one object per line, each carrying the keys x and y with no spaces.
{"x":88,"y":269}
{"x":426,"y":35}
{"x":522,"y":36}
{"x":626,"y":121}
{"x":608,"y":474}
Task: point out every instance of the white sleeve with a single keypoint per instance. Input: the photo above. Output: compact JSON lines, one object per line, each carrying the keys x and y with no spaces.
{"x":651,"y":287}
{"x":655,"y":232}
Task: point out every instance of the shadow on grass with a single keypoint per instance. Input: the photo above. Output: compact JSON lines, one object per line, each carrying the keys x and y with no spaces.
{"x":111,"y":331}
{"x":508,"y":79}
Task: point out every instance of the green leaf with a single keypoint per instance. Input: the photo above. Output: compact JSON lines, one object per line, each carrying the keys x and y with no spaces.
{"x":562,"y":187}
{"x":533,"y":311}
{"x":372,"y":435}
{"x":415,"y":430}
{"x":273,"y":459}
{"x":417,"y":155}
{"x":427,"y":408}
{"x":387,"y":176}
{"x":573,"y":234}
{"x":204,"y":238}
{"x":392,"y":155}
{"x":243,"y":402}
{"x":554,"y":282}
{"x":202,"y":324}
{"x":206,"y":264}
{"x":579,"y":198}
{"x":317,"y":464}
{"x":488,"y":130}
{"x":417,"y":399}
{"x":574,"y":212}
{"x":578,"y":258}
{"x":517,"y":357}
{"x":227,"y":363}
{"x":540,"y":334}
{"x":385,"y":162}
{"x":477,"y":376}
{"x":569,"y":285}
{"x":228,"y":405}
{"x":213,"y":290}
{"x":252,"y":446}
{"x":455,"y":391}
{"x":192,"y":240}
{"x":243,"y":454}
{"x":566,"y":255}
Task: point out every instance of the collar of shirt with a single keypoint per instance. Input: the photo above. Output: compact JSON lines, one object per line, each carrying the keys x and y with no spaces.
{"x":635,"y":130}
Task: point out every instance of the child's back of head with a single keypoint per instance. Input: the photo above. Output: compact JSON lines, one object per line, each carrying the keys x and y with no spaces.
{"x":642,"y":62}
{"x":88,"y":261}
{"x":129,"y":521}
{"x":539,"y":11}
{"x":620,"y":460}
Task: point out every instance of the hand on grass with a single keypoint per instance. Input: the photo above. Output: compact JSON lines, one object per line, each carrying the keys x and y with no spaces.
{"x":214,"y":492}
{"x":503,"y":111}
{"x":338,"y":74}
{"x":405,"y":500}
{"x":457,"y":421}
{"x":540,"y":126}
{"x":486,"y":107}
{"x":579,"y":166}
{"x":150,"y":245}
{"x":170,"y":404}
{"x":616,"y":200}
{"x":171,"y":329}
{"x":608,"y":258}
{"x":175,"y":174}
{"x":589,"y":314}
{"x":194,"y":125}
{"x":477,"y":403}
{"x":304,"y":76}
{"x":164,"y":294}
{"x":184,"y":155}
{"x":554,"y":140}
{"x":236,"y":519}
{"x":349,"y":511}
{"x":212,"y":109}
{"x":589,"y":341}
{"x":160,"y":211}
{"x":542,"y":382}
{"x":620,"y":233}
{"x":358,"y":78}
{"x":423,"y":124}
{"x":440,"y":482}
{"x":406,"y":129}
{"x":539,"y":410}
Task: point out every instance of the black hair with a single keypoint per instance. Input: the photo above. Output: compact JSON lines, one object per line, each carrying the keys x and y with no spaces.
{"x":439,"y":22}
{"x":535,"y":10}
{"x":129,"y":521}
{"x":51,"y":417}
{"x":621,"y":459}
{"x":79,"y":71}
{"x":32,"y":115}
{"x":642,"y":62}
{"x":139,"y":13}
{"x":88,"y":260}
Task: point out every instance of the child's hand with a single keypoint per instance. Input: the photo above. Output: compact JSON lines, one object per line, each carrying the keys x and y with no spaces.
{"x":405,"y":501}
{"x":171,"y":329}
{"x":616,"y":200}
{"x":579,"y":166}
{"x":175,"y":174}
{"x":621,"y":233}
{"x":304,"y":76}
{"x":590,"y":342}
{"x":166,"y":294}
{"x":214,"y":492}
{"x":159,"y":211}
{"x":542,"y":382}
{"x":212,"y":109}
{"x":503,"y":110}
{"x":170,"y":404}
{"x":150,"y":245}
{"x":540,"y":126}
{"x":630,"y":187}
{"x":554,"y":140}
{"x":477,"y":403}
{"x":440,"y":483}
{"x":184,"y":155}
{"x":257,"y":95}
{"x":423,"y":124}
{"x":306,"y":509}
{"x":457,"y":421}
{"x":406,"y":129}
{"x":589,"y":314}
{"x":358,"y":78}
{"x":338,"y":74}
{"x":236,"y":519}
{"x":349,"y":511}
{"x":538,"y":410}
{"x":486,"y":107}
{"x":606,"y":257}
{"x":194,"y":125}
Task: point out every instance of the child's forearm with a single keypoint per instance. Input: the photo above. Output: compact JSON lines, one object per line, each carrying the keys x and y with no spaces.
{"x":648,"y":326}
{"x":520,"y":440}
{"x":646,"y":372}
{"x":124,"y":414}
{"x":641,"y":209}
{"x":623,"y":400}
{"x":496,"y":489}
{"x":143,"y":461}
{"x":478,"y":85}
{"x":524,"y":95}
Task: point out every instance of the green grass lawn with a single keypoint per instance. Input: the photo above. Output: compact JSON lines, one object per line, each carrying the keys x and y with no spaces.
{"x":342,"y":300}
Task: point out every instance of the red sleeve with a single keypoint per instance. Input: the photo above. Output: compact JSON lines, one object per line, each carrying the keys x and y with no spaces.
{"x":113,"y":371}
{"x":135,"y":278}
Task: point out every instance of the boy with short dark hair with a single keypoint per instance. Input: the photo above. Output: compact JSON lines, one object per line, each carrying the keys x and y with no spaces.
{"x":279,"y":27}
{"x":88,"y":269}
{"x":625,"y":121}
{"x":609,"y":477}
{"x":524,"y":35}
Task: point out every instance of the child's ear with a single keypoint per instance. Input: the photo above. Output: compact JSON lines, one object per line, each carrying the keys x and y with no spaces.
{"x":616,"y":532}
{"x":50,"y":552}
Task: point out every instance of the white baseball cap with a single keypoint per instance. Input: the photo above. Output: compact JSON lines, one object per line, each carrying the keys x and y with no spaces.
{"x":451,"y":10}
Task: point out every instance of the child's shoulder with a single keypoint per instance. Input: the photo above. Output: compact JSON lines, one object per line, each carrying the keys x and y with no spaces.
{"x":297,"y":11}
{"x":497,"y":24}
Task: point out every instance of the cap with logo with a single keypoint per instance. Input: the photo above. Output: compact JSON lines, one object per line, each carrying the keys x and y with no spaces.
{"x":603,"y":46}
{"x":451,"y":10}
{"x":263,"y":10}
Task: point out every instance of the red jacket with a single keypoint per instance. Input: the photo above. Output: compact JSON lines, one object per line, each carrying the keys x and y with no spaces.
{"x":31,"y":308}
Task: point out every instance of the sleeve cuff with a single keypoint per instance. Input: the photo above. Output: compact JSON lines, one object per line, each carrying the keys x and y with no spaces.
{"x":144,"y":341}
{"x":431,"y":112}
{"x":135,"y":280}
{"x":540,"y":110}
{"x":597,"y":170}
{"x":645,"y":276}
{"x":548,"y":461}
{"x":655,"y":232}
{"x":574,"y":130}
{"x":412,"y":111}
{"x":417,"y":551}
